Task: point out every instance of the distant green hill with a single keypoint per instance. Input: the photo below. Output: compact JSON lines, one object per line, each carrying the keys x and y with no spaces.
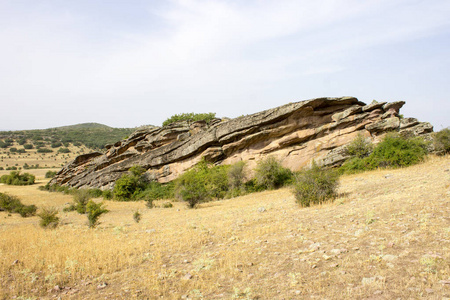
{"x":83,"y":126}
{"x":92,"y":135}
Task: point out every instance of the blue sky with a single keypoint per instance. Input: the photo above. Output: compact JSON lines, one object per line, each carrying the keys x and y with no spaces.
{"x":132,"y":63}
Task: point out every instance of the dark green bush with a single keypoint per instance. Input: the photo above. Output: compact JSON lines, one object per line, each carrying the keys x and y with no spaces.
{"x":107,"y":194}
{"x":15,"y":178}
{"x":28,"y":146}
{"x":95,"y":193}
{"x":13,"y":150}
{"x":48,"y":217}
{"x":12,"y":204}
{"x":442,"y":141}
{"x":63,"y":150}
{"x":315,"y":185}
{"x":167,"y":205}
{"x":44,"y":150}
{"x":202,"y":183}
{"x":58,"y":188}
{"x":393,"y":151}
{"x":192,"y":117}
{"x":94,"y":211}
{"x":80,"y":200}
{"x":137,"y":216}
{"x":270,"y":174}
{"x":50,"y":174}
{"x":156,"y":191}
{"x":129,"y":185}
{"x":56,"y":144}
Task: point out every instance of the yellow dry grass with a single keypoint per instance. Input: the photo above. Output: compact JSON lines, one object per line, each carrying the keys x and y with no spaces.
{"x":386,"y":237}
{"x":47,"y":161}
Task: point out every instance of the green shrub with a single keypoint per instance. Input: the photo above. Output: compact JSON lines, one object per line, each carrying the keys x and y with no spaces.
{"x":192,"y":117}
{"x":94,"y":211}
{"x":48,"y":217}
{"x":50,"y":174}
{"x":95,"y":193}
{"x":12,"y":204}
{"x":315,"y":185}
{"x":107,"y":194}
{"x":13,"y":150}
{"x":63,"y":150}
{"x":270,"y":174}
{"x":167,"y":205}
{"x":58,"y":188}
{"x":15,"y":178}
{"x":56,"y":144}
{"x":236,"y":179}
{"x":80,"y":200}
{"x":442,"y":141}
{"x":137,"y":216}
{"x":202,"y":183}
{"x":359,"y":147}
{"x":156,"y":191}
{"x":393,"y":151}
{"x":44,"y":150}
{"x":129,"y":185}
{"x":28,"y":146}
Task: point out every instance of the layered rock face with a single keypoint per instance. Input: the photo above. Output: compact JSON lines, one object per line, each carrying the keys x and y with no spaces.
{"x":295,"y":133}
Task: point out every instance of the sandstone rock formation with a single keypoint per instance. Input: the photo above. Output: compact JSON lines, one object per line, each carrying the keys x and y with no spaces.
{"x":295,"y":133}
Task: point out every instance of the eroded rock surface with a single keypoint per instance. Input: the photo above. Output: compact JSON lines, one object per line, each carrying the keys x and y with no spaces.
{"x":295,"y":133}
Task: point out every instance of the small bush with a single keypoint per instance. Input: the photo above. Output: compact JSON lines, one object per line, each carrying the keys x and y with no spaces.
{"x":157,"y":191}
{"x":63,"y":150}
{"x":58,"y":188}
{"x":13,"y":204}
{"x":236,"y":179}
{"x":137,"y":216}
{"x":393,"y":151}
{"x":50,"y":174}
{"x":44,"y":150}
{"x":442,"y":141}
{"x":315,"y":185}
{"x":28,"y":146}
{"x":56,"y":144}
{"x":15,"y":178}
{"x":48,"y":217}
{"x":270,"y":174}
{"x":167,"y":205}
{"x":202,"y":183}
{"x":80,"y":200}
{"x":95,"y":193}
{"x":359,"y":147}
{"x":192,"y":117}
{"x":107,"y":194}
{"x":94,"y":211}
{"x":128,"y":186}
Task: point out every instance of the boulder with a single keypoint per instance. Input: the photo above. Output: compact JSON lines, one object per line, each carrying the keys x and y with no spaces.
{"x":295,"y":133}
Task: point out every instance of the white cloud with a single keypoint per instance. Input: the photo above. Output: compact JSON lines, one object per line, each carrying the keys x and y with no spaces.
{"x":199,"y":55}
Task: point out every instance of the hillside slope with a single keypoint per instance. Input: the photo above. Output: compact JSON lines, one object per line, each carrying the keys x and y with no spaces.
{"x":386,"y":237}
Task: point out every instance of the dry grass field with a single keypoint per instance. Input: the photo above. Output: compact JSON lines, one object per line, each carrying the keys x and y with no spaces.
{"x":386,"y":237}
{"x":46,"y":161}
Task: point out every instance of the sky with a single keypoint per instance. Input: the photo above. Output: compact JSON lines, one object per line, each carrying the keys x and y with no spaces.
{"x":136,"y":62}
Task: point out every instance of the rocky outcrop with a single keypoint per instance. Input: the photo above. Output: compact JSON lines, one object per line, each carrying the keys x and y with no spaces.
{"x":295,"y":133}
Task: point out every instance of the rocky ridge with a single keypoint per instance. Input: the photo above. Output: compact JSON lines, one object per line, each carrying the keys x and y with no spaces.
{"x":295,"y":133}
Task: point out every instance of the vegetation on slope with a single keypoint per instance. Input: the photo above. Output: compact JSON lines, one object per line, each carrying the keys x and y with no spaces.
{"x":92,"y":135}
{"x":191,"y":117}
